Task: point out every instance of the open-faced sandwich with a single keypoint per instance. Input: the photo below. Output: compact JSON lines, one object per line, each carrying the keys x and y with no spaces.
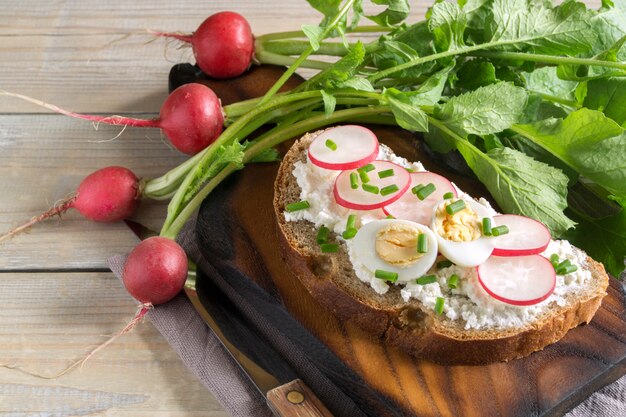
{"x":412,"y":259}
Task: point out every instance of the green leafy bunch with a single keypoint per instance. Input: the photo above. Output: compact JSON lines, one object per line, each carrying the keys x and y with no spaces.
{"x":531,"y":95}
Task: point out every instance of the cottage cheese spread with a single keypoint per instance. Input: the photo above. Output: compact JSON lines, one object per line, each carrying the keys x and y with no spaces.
{"x":468,"y":302}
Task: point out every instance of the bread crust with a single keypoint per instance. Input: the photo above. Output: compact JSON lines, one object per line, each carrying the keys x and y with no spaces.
{"x":408,"y":326}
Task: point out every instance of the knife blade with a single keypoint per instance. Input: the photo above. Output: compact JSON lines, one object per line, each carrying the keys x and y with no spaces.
{"x":293,"y":398}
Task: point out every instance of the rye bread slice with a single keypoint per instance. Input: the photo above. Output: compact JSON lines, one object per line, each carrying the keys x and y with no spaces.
{"x":331,"y":280}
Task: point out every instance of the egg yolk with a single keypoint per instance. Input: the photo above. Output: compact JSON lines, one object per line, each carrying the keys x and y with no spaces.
{"x":462,"y":226}
{"x":396,"y":244}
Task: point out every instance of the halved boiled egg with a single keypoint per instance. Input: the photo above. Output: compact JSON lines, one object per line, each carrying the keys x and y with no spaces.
{"x":392,"y":245}
{"x":457,"y":224}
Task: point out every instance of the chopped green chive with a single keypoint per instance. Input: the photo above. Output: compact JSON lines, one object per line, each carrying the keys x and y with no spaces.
{"x":349,"y":233}
{"x":453,"y":281}
{"x":415,"y":189}
{"x":322,"y":235}
{"x":486,"y":226}
{"x":389,"y":216}
{"x":444,"y":264}
{"x":455,"y":207}
{"x":439,"y":305}
{"x":425,"y":191}
{"x":410,"y":169}
{"x":329,"y":247}
{"x":386,"y":173}
{"x":354,"y":180}
{"x":426,"y":279}
{"x":331,"y":145}
{"x":300,"y":205}
{"x":386,"y":275}
{"x":422,"y":243}
{"x":563,"y":264}
{"x":448,"y":195}
{"x":390,"y":189}
{"x":367,"y":168}
{"x":554,"y":260}
{"x":500,"y":230}
{"x":370,"y":188}
{"x":566,"y":269}
{"x":350,"y":224}
{"x":364,"y":177}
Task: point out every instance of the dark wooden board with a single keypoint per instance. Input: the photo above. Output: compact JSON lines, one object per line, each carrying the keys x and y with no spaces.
{"x":547,"y":383}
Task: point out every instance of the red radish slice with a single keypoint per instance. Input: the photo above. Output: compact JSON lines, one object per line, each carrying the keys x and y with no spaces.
{"x":350,"y":147}
{"x":359,"y":199}
{"x":518,"y":280}
{"x":409,"y":207}
{"x":526,"y":236}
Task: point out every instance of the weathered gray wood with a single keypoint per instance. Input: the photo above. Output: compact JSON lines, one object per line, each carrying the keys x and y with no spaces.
{"x":44,"y":158}
{"x":75,"y":54}
{"x":48,"y":321}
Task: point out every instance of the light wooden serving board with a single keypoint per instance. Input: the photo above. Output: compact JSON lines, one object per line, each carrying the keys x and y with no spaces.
{"x":547,"y":383}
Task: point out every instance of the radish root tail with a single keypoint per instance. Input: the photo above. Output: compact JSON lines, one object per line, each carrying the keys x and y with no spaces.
{"x":141,"y":312}
{"x":57,"y":210}
{"x":181,"y":37}
{"x":110,"y":120}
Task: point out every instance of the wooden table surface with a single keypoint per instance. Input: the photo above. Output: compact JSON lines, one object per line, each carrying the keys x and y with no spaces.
{"x":58,"y":300}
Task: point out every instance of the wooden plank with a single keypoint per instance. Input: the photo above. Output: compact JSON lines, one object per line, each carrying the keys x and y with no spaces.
{"x":76,"y":55}
{"x":44,"y":159}
{"x":48,"y":321}
{"x":545,"y":383}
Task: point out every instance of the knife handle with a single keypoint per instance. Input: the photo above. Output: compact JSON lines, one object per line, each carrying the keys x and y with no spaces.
{"x":295,"y":399}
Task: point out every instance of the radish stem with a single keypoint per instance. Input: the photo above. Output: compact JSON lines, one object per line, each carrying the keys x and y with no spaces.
{"x":262,"y":143}
{"x":227,"y":137}
{"x":267,"y":57}
{"x":300,"y":34}
{"x":296,"y":47}
{"x":549,"y":59}
{"x":290,"y":71}
{"x":165,"y":186}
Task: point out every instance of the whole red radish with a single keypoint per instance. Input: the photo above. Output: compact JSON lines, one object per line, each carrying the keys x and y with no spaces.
{"x":191,"y":117}
{"x":155,"y":271}
{"x":107,"y":195}
{"x":223,"y":44}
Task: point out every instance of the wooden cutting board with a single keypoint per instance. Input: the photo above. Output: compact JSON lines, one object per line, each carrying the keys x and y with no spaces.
{"x":547,"y":383}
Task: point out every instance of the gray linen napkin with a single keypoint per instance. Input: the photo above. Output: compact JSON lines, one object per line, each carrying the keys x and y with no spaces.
{"x":202,"y":352}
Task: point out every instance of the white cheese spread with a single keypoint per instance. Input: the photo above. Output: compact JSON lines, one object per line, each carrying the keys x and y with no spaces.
{"x":469,"y":302}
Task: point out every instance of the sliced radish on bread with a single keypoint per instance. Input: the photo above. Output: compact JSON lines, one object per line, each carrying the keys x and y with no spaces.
{"x":344,"y":147}
{"x":526,"y":236}
{"x":369,"y":190}
{"x":410,"y":207}
{"x":517,"y":280}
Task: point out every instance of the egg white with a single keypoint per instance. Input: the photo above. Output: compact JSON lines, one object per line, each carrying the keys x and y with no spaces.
{"x":467,"y":254}
{"x":365,"y":248}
